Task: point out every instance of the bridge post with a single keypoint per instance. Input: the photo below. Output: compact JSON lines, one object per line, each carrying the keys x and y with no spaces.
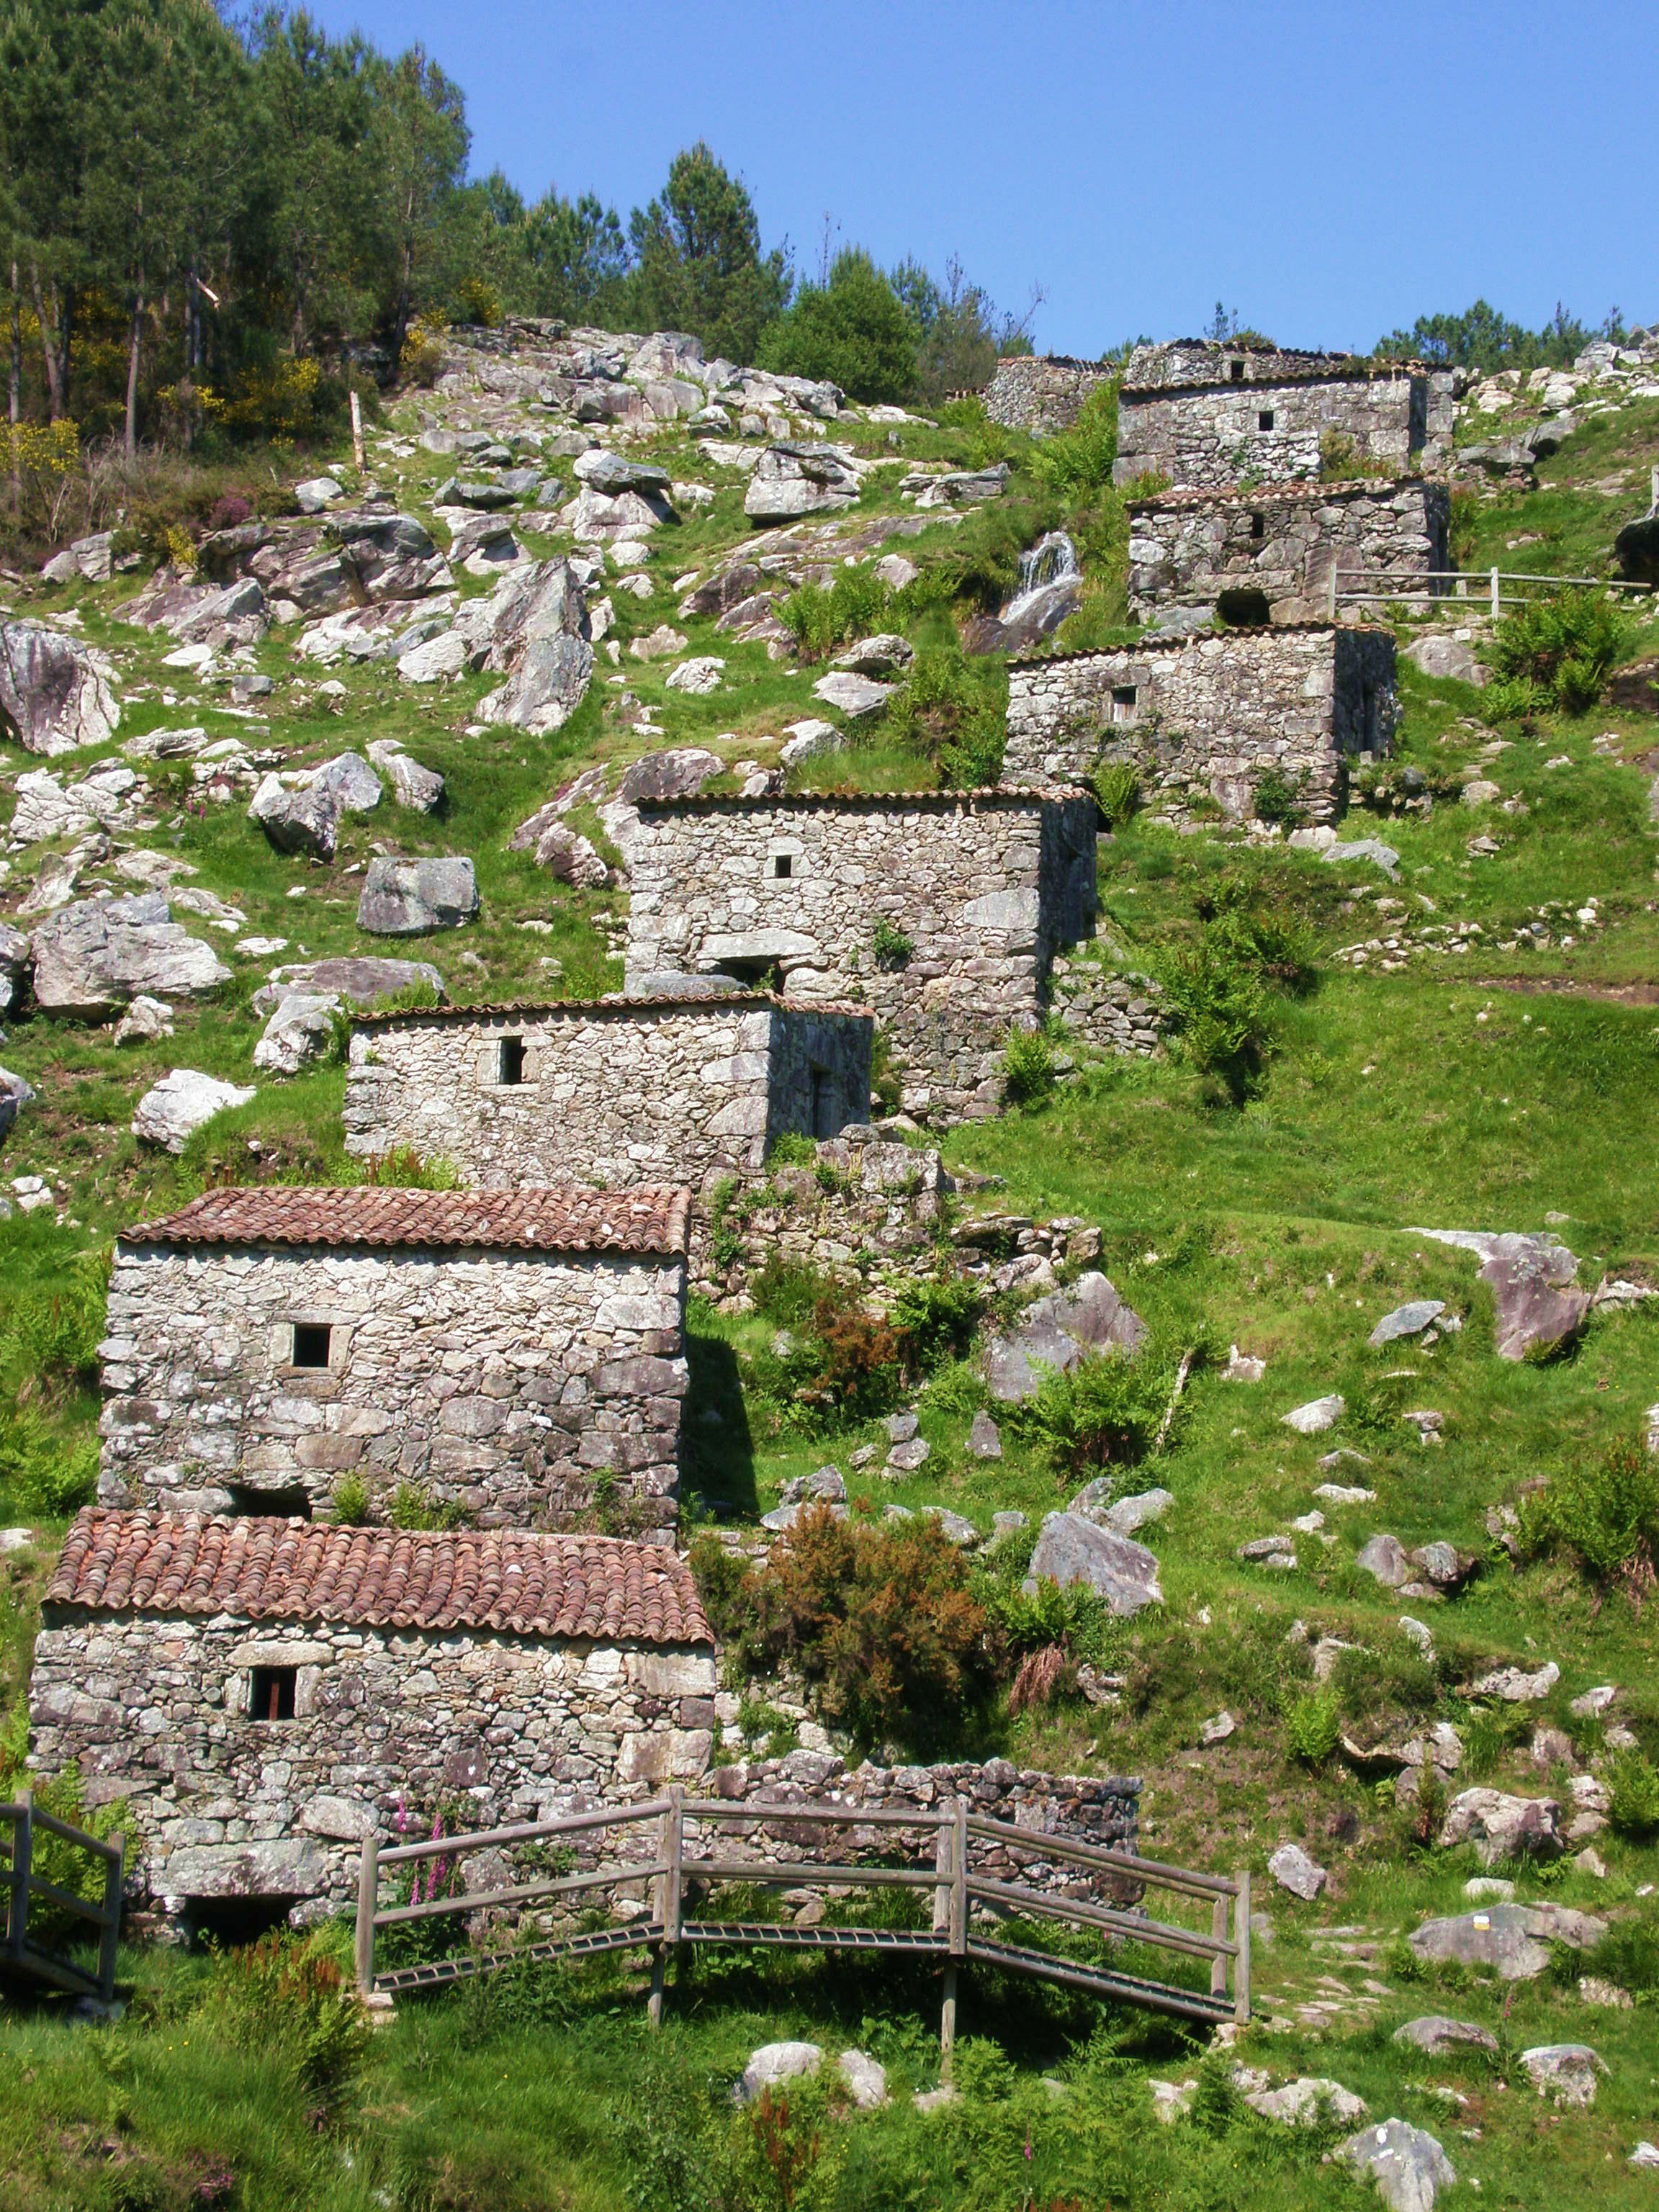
{"x":109,"y":1935}
{"x":957,"y":1925}
{"x":668,"y":1898}
{"x":22,"y":1844}
{"x":1241,"y":1937}
{"x":368,"y":1894}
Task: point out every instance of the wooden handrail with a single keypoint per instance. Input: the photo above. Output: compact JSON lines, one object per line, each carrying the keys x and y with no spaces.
{"x":23,"y":1886}
{"x":955,"y":1888}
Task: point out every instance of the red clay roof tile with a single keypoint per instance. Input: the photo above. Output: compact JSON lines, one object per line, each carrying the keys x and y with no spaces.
{"x":557,"y":1219}
{"x":597,"y":1588}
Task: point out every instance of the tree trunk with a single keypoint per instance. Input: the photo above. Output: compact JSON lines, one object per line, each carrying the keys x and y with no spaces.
{"x":49,"y":351}
{"x":133,"y":345}
{"x":401,"y":331}
{"x":17,"y":394}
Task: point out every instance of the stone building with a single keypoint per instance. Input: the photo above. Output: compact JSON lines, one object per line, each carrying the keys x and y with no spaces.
{"x":1277,"y":553}
{"x":1206,"y":717}
{"x":611,"y":1091}
{"x":519,"y":1353}
{"x":1209,"y":417}
{"x":941,"y":911}
{"x":1042,"y":393}
{"x":265,"y":1693}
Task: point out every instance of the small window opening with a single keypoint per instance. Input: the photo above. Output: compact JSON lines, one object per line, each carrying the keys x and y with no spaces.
{"x":311,"y":1343}
{"x":1258,"y":525}
{"x":824,"y":1117}
{"x":271,"y":1697}
{"x":509,"y":1065}
{"x":1238,"y":372}
{"x":783,"y":866}
{"x":1264,"y":421}
{"x":1123,"y":694}
{"x":1244,"y":608}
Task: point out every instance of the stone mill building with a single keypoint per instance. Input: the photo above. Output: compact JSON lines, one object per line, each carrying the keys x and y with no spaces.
{"x":265,"y":1694}
{"x":1210,"y":416}
{"x":517,"y":1353}
{"x":612,"y":1091}
{"x":1206,"y":717}
{"x":939,"y":911}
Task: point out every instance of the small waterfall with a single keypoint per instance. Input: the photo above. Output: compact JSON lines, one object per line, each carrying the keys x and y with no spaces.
{"x":1052,"y":560}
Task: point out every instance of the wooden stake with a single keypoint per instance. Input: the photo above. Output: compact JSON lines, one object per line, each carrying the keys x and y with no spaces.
{"x":1241,"y":1963}
{"x":368,"y":1892}
{"x":356,"y":433}
{"x":22,"y":1840}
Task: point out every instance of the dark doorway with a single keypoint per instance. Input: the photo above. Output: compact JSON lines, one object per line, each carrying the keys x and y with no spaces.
{"x":509,"y":1065}
{"x":1244,"y":609}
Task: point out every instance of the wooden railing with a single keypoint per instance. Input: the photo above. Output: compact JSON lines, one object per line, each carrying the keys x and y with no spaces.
{"x":24,"y":1886}
{"x":1448,"y":591}
{"x":689,"y":1842}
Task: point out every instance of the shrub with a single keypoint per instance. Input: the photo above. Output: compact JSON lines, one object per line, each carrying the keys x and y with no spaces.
{"x":719,"y":1575}
{"x":1606,"y":1514}
{"x":1028,"y":1067}
{"x":890,"y":945}
{"x":791,"y":1150}
{"x":880,"y":1620}
{"x":350,"y":1502}
{"x":1277,"y":799}
{"x":288,"y":1996}
{"x":1314,"y":1726}
{"x":819,"y":617}
{"x":423,"y":353}
{"x":229,"y":511}
{"x":1635,"y":1791}
{"x":934,"y":1321}
{"x":1219,"y":1009}
{"x":405,"y":1169}
{"x":852,"y":331}
{"x":1078,"y":462}
{"x":1044,"y":1675}
{"x":945,"y":710}
{"x":1117,"y":792}
{"x":1104,"y":1412}
{"x":413,"y":1506}
{"x":1564,"y":647}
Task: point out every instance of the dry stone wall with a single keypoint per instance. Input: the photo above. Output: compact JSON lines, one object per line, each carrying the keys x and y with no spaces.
{"x":1042,"y":393}
{"x":983,"y":886}
{"x":613,"y":1094}
{"x":1216,"y":437}
{"x":1207,"y":717}
{"x":513,"y":1384}
{"x":156,"y":1710}
{"x":1210,"y":361}
{"x":1204,"y":553}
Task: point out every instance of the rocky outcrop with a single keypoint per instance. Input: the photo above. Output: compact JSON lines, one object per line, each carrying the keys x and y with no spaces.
{"x":1070,"y":1549}
{"x":93,"y":956}
{"x":169,"y":1114}
{"x":55,"y":695}
{"x":1534,"y":1281}
{"x":412,"y":898}
{"x":1057,"y":1332}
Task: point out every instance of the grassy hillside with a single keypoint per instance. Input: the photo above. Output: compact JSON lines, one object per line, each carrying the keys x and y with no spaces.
{"x":1491,"y":1064}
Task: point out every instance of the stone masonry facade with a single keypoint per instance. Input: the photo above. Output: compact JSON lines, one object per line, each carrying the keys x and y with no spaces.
{"x":613,"y":1093}
{"x":1206,"y":717}
{"x":157,"y":1710}
{"x":1042,"y":393}
{"x":527,"y":1388}
{"x":1214,"y":418}
{"x":1275,"y":555}
{"x":983,"y":887}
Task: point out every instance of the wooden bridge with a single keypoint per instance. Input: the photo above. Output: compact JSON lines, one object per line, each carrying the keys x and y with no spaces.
{"x":47,"y":1962}
{"x":978,"y":1917}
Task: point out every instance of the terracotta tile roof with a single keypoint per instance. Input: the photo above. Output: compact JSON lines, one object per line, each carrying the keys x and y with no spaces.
{"x":598,"y":1587}
{"x":617,"y":1004}
{"x":980,"y":798}
{"x":556,"y":1219}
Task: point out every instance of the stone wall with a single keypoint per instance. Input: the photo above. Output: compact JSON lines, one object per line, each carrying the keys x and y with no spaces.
{"x":1190,"y":549}
{"x":1112,"y":1014}
{"x":868,"y":1209}
{"x":508,"y":1382}
{"x":613,"y":1094}
{"x":984,"y":886}
{"x":1206,"y":717}
{"x":1215,"y":437}
{"x":155,"y":1710}
{"x":1042,"y":393}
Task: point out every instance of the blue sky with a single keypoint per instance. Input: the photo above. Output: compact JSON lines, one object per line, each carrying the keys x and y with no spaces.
{"x":1331,"y":169}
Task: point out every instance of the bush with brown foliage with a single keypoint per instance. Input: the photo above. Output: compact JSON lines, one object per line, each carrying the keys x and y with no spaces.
{"x":880,"y":1620}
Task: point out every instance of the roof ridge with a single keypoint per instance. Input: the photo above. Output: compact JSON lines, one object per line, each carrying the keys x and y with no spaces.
{"x":528,"y":1582}
{"x":617,"y":1003}
{"x":644,"y":1217}
{"x":1153,"y":642}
